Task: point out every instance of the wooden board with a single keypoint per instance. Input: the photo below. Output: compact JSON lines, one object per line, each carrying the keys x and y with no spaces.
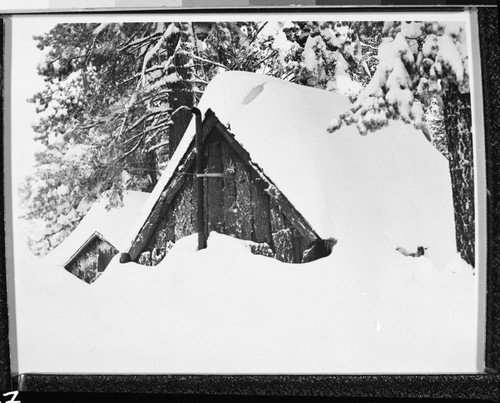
{"x":282,"y":235}
{"x":229,"y":190}
{"x":243,"y":202}
{"x":184,"y":210}
{"x":214,"y":194}
{"x":261,"y":225}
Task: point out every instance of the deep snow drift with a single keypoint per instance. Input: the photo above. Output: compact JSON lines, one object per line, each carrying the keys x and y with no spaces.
{"x":366,"y":308}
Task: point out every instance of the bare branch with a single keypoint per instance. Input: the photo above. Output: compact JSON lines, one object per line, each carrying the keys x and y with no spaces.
{"x":159,"y":145}
{"x":159,"y":126}
{"x":150,"y":70}
{"x":180,"y":108}
{"x":202,"y":59}
{"x":133,"y":149}
{"x":137,"y":122}
{"x":151,"y":51}
{"x":139,"y":41}
{"x":258,"y":32}
{"x":131,"y":38}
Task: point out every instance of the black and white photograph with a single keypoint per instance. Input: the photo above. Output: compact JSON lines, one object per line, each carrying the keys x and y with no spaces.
{"x":246,"y":193}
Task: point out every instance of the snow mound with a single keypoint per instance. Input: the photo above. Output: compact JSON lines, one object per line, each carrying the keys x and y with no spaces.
{"x":225,"y":310}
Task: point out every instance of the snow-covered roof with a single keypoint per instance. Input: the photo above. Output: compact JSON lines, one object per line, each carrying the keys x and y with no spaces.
{"x":112,"y":225}
{"x":328,"y":177}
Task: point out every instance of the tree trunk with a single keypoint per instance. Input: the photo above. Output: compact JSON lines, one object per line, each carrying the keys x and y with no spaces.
{"x":182,"y":95}
{"x":457,"y":118}
{"x":151,"y":169}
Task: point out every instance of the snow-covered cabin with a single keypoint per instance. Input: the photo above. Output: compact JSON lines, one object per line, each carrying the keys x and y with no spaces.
{"x":87,"y":251}
{"x":240,"y":200}
{"x":280,"y":181}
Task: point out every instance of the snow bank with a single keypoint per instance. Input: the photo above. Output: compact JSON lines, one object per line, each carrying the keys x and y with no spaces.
{"x":224,"y":310}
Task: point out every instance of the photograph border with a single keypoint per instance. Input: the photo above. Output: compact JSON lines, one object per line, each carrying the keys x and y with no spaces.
{"x":464,"y":386}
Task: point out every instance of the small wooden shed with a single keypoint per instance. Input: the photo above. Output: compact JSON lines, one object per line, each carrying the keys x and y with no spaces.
{"x":239,"y":200}
{"x":90,"y":260}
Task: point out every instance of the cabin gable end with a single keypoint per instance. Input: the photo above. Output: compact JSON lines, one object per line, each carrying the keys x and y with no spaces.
{"x":239,"y":201}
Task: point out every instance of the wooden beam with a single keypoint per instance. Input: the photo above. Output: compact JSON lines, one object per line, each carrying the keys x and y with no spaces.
{"x":260,"y":211}
{"x":214,"y":188}
{"x":200,"y":159}
{"x":229,"y":189}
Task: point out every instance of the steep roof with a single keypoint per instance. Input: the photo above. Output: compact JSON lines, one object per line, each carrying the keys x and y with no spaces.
{"x":283,"y":127}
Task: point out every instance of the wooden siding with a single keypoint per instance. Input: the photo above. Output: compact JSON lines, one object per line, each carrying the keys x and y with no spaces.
{"x":92,"y":259}
{"x":143,"y":237}
{"x":214,"y":187}
{"x":238,"y":204}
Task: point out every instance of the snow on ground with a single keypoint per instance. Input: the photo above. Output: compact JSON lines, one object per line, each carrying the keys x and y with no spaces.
{"x":224,"y":310}
{"x":366,"y":308}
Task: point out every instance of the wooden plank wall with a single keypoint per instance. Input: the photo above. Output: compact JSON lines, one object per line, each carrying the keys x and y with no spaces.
{"x":214,"y":187}
{"x":178,"y":221}
{"x":235,"y":204}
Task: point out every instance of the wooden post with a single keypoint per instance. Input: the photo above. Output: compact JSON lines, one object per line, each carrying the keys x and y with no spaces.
{"x":214,"y":184}
{"x":202,"y":241}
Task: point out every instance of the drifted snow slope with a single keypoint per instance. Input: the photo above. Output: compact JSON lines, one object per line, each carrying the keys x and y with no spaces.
{"x":366,"y":308}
